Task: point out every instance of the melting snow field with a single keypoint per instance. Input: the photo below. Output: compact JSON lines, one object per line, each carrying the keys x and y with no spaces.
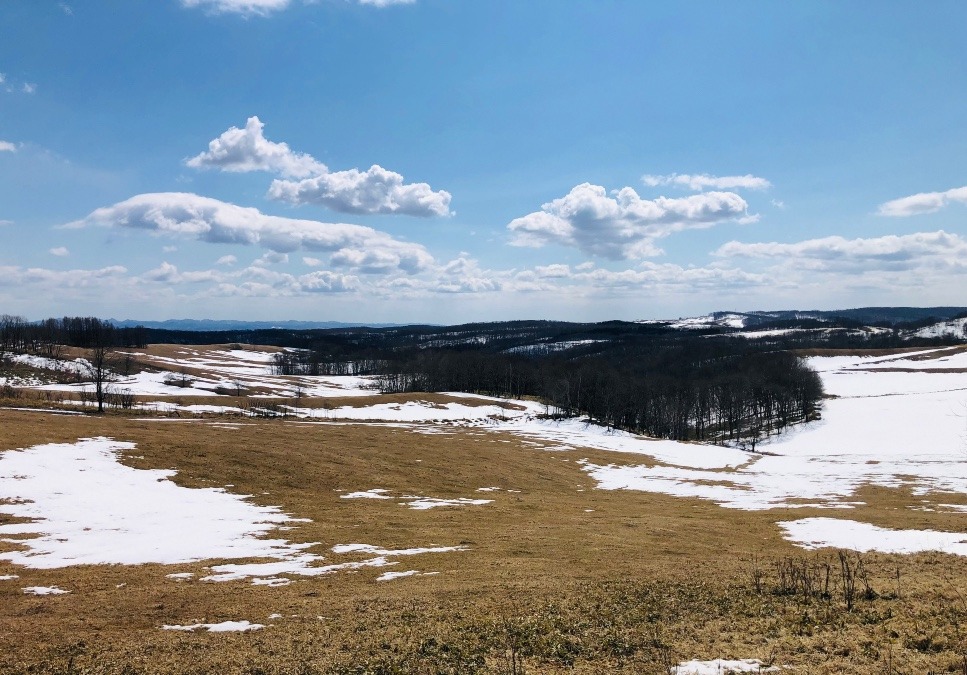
{"x":892,"y":421}
{"x":85,"y":507}
{"x":89,"y":509}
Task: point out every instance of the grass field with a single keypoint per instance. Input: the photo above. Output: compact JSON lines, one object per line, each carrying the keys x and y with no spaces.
{"x":553,"y":574}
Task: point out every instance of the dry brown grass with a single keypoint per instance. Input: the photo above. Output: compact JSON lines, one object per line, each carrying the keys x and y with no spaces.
{"x":634,"y":586}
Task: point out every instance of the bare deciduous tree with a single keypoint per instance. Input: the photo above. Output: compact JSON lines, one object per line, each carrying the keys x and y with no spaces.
{"x":99,"y":361}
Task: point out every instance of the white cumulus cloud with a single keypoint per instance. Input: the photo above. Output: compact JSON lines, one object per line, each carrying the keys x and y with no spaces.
{"x":701,"y":182}
{"x":210,"y":220}
{"x":621,"y":224}
{"x":924,"y":202}
{"x":327,"y":282}
{"x":242,"y":150}
{"x":308,"y":181}
{"x":375,"y":190}
{"x":7,"y":146}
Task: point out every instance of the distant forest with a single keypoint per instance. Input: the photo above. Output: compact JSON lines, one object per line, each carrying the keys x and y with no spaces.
{"x":709,"y":383}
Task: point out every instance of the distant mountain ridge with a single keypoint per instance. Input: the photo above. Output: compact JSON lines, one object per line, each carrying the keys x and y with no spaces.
{"x":863,"y":315}
{"x":733,"y":319}
{"x":215,"y":325}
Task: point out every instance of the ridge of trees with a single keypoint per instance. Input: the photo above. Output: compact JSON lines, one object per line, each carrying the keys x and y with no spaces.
{"x":658,"y":382}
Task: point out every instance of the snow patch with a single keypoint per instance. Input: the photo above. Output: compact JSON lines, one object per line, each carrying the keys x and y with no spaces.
{"x":44,"y":590}
{"x":375,"y":493}
{"x":813,"y":533}
{"x":424,"y":503}
{"x":223,"y":627}
{"x":389,"y":576}
{"x":722,"y":666}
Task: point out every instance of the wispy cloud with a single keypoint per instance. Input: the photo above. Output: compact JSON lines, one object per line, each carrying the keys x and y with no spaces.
{"x":13,"y":86}
{"x":243,"y":7}
{"x":923,"y":202}
{"x":210,"y":220}
{"x":892,"y":252}
{"x":7,"y":146}
{"x":60,"y":251}
{"x":621,"y":224}
{"x":373,"y":191}
{"x":701,"y":182}
{"x":249,"y":8}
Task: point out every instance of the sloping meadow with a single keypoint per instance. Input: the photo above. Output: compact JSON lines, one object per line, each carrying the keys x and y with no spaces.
{"x":244,"y":545}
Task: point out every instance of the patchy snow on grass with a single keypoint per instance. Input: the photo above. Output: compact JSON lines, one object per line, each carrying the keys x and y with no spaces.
{"x":568,"y":434}
{"x":813,"y":533}
{"x":305,"y":565}
{"x":386,"y":552}
{"x":956,"y":328}
{"x":79,"y":366}
{"x":375,"y":493}
{"x":424,"y":503}
{"x":409,"y":411}
{"x":389,"y":576}
{"x":223,"y":627}
{"x":721,"y":667}
{"x":8,"y":577}
{"x":44,"y":590}
{"x":418,"y":502}
{"x":88,"y":508}
{"x":180,"y":576}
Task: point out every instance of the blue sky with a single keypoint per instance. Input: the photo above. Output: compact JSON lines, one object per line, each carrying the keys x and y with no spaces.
{"x":451,"y":160}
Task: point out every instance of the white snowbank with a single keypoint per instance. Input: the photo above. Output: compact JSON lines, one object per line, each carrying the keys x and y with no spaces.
{"x":813,"y":533}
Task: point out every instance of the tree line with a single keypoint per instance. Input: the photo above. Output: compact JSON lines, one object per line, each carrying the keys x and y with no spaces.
{"x":48,"y":337}
{"x":682,"y":388}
